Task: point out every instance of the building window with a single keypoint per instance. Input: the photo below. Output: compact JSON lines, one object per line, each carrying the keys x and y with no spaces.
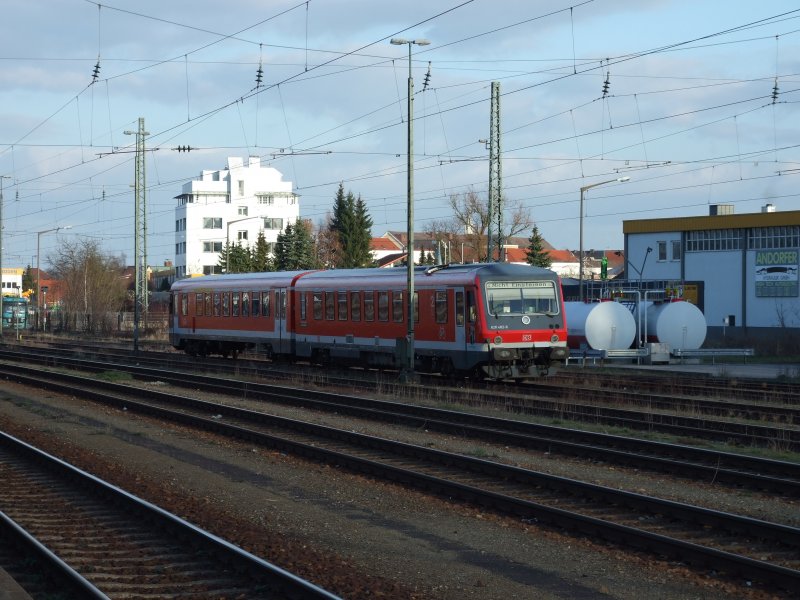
{"x":212,"y":246}
{"x":268,"y":199}
{"x":676,"y":249}
{"x":212,"y":269}
{"x":273,"y":223}
{"x":784,"y":236}
{"x":662,"y":250}
{"x":241,"y":187}
{"x":212,"y":222}
{"x":713,"y":240}
{"x":242,"y":211}
{"x":241,"y":235}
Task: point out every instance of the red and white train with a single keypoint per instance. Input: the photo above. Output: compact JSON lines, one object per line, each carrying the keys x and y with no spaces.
{"x":496,"y":320}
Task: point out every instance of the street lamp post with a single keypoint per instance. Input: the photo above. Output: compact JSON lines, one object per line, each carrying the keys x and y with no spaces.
{"x":409,"y":367}
{"x":38,"y":271}
{"x":580,"y":249}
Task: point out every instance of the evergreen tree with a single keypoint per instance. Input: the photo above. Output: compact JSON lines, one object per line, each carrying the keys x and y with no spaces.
{"x":260,"y":259}
{"x":238,"y":259}
{"x":352,"y":226}
{"x":295,"y":248}
{"x":536,"y":254}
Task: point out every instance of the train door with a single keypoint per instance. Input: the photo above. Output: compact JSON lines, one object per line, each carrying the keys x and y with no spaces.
{"x":281,"y":320}
{"x":460,"y":319}
{"x":470,"y":316}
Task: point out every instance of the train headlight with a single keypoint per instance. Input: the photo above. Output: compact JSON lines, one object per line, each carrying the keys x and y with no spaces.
{"x":554,"y":338}
{"x":498,"y":339}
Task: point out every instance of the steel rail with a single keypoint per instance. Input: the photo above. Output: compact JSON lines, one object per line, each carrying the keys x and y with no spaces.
{"x":282,"y":582}
{"x":694,"y":518}
{"x":713,"y":466}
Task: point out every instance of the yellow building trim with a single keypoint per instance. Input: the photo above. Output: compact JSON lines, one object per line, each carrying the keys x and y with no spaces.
{"x":743,"y":221}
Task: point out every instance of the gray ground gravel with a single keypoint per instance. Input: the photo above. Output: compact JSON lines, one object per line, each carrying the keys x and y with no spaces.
{"x":413,"y":545}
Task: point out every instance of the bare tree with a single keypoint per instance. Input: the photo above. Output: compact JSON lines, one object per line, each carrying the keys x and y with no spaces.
{"x":471,"y":220}
{"x":94,"y":290}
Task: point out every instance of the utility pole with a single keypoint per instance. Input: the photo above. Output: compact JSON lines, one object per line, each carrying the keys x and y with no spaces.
{"x":495,"y":207}
{"x":141,"y":298}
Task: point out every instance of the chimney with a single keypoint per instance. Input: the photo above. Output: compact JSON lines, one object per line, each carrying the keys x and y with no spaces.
{"x":768,"y":208}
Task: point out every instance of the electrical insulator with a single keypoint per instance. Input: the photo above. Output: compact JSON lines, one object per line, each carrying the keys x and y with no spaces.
{"x":96,"y":72}
{"x":184,"y":148}
{"x":427,"y":77}
{"x":606,"y":84}
{"x":775,"y":91}
{"x":259,"y":76}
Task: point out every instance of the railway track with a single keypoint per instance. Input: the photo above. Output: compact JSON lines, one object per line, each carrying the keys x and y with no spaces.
{"x":681,"y":460}
{"x":643,"y":416}
{"x":101,"y":542}
{"x":739,"y":546}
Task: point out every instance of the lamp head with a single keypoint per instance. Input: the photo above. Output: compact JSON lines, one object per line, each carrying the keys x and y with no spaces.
{"x":398,"y":41}
{"x":624,"y":179}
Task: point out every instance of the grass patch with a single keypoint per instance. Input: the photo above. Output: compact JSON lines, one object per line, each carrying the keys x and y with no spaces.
{"x":114,"y":376}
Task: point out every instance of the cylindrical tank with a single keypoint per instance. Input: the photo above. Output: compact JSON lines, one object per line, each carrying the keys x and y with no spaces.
{"x":602,"y":325}
{"x":681,"y":325}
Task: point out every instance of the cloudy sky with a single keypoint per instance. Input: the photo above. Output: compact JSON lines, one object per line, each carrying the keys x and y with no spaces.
{"x":696,"y":102}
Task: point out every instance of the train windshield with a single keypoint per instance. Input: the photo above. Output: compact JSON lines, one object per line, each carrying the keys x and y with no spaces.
{"x":511,"y":298}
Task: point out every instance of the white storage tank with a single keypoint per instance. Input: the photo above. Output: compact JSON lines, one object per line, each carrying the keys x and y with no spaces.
{"x":680,"y":325}
{"x":601,"y":325}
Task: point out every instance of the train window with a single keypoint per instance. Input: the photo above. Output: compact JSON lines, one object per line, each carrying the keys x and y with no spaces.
{"x":472,"y":313}
{"x":235,"y":304}
{"x":198,"y":304}
{"x":226,"y":304}
{"x":216,"y":304}
{"x":184,"y":304}
{"x":397,"y":307}
{"x":245,"y":304}
{"x":355,"y":306}
{"x":208,"y":304}
{"x":441,"y":306}
{"x":383,"y":306}
{"x":256,"y":303}
{"x":303,"y":308}
{"x":520,"y":297}
{"x":330,"y":305}
{"x":342,"y":302}
{"x":369,"y":306}
{"x":317,"y":299}
{"x":265,"y":304}
{"x":283,"y":304}
{"x":460,"y":309}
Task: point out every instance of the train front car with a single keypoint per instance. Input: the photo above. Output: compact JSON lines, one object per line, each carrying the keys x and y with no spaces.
{"x":523,"y":329}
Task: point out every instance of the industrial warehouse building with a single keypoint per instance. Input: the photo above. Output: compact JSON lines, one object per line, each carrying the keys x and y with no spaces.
{"x":229,"y":205}
{"x":740,"y":269}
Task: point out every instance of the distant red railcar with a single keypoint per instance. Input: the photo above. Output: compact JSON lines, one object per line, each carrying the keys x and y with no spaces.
{"x":497,"y":320}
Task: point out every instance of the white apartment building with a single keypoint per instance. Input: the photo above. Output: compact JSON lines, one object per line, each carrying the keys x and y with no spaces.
{"x":232,"y":204}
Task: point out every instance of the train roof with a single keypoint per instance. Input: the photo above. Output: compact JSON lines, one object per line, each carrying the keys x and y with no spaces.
{"x":439,"y":274}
